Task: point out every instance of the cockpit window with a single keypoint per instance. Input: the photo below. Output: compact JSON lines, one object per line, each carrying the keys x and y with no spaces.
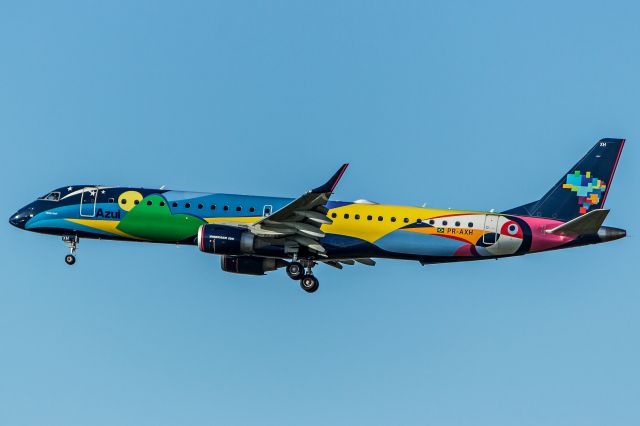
{"x":52,"y":196}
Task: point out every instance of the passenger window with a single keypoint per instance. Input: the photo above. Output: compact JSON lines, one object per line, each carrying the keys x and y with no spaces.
{"x":419,"y":221}
{"x":444,"y":223}
{"x":174,"y":204}
{"x":149,"y":203}
{"x":252,"y":209}
{"x":136,"y":202}
{"x":357,"y":217}
{"x":380,"y":218}
{"x":225,"y":208}
{"x":111,"y":201}
{"x":187,"y":205}
{"x":431,"y":222}
{"x":213,"y":207}
{"x":124,"y":201}
{"x":470,"y":224}
{"x":346,"y":215}
{"x":238,"y":209}
{"x":161,"y":203}
{"x":369,"y":217}
{"x":334,"y":215}
{"x":457,"y":223}
{"x":393,"y":219}
{"x":406,"y":220}
{"x":200,"y":206}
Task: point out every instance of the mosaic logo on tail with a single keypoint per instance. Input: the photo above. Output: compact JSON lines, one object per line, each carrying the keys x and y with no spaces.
{"x":588,"y":189}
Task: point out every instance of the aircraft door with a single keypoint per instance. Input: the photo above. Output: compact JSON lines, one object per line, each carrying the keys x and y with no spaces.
{"x":491,"y":229}
{"x":88,"y":202}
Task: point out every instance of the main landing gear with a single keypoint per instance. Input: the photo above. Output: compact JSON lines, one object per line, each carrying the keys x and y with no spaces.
{"x":309,"y":283}
{"x":72,"y":242}
{"x":296,"y":271}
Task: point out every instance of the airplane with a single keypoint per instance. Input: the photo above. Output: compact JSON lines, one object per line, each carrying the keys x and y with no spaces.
{"x":258,"y":234}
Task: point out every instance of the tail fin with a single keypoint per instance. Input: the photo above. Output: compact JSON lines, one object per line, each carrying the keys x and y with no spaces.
{"x":583,"y":188}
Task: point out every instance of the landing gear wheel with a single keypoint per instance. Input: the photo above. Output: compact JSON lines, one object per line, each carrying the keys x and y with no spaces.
{"x":72,"y":242}
{"x":295,"y":270}
{"x":309,"y":283}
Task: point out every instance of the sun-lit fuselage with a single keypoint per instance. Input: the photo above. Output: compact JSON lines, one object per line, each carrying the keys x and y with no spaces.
{"x":255,"y":234}
{"x":359,"y":229}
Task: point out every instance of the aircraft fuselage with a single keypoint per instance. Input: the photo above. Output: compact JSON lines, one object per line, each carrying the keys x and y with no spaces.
{"x":257,"y":234}
{"x":359,"y":229}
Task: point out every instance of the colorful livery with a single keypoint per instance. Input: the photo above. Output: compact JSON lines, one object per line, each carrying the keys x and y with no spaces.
{"x":257,"y":234}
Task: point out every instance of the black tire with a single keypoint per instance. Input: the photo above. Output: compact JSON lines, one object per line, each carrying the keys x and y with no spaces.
{"x":70,"y":259}
{"x":295,"y":270}
{"x":309,"y":283}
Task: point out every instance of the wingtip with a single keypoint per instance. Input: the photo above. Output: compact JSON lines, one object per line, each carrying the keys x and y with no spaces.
{"x":336,"y":178}
{"x":331,"y":184}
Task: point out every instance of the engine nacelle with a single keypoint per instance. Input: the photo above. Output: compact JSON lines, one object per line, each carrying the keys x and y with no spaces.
{"x":249,"y":265}
{"x":222,"y":239}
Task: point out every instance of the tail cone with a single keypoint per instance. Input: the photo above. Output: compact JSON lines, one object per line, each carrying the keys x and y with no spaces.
{"x":607,"y":233}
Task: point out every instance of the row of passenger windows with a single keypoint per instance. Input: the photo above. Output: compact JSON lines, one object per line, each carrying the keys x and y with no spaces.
{"x":405,"y":220}
{"x":333,"y":215}
{"x":188,"y":205}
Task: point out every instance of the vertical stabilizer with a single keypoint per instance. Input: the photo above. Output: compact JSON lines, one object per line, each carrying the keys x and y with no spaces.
{"x":583,"y":188}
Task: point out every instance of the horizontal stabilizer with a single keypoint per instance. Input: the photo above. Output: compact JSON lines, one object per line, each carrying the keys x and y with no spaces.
{"x":586,"y":224}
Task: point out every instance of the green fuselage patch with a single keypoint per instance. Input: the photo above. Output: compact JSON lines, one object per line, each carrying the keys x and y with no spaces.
{"x":152,"y":220}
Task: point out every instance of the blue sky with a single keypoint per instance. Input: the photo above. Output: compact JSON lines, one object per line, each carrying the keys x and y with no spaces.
{"x":454,"y":104}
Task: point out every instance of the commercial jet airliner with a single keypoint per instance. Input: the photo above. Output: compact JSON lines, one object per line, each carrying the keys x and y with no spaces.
{"x":257,"y":234}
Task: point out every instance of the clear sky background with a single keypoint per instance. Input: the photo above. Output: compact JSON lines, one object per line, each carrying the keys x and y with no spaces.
{"x":474,"y":105}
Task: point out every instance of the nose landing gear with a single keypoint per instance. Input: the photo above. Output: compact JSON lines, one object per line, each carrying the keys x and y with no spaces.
{"x":72,"y":242}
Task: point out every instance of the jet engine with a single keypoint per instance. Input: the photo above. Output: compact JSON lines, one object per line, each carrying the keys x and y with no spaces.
{"x":250,"y":265}
{"x":222,"y":239}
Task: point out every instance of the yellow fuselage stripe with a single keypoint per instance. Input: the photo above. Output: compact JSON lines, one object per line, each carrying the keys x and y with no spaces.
{"x":104,"y":225}
{"x":362,"y":228}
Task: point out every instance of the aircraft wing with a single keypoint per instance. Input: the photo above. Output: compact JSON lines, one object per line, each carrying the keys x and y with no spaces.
{"x":300,"y":220}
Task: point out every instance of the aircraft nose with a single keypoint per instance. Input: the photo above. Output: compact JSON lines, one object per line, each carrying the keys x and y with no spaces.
{"x":19,"y":219}
{"x":15,"y":220}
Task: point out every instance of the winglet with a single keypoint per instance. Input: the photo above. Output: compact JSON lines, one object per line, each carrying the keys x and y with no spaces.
{"x":331,"y":183}
{"x":586,"y":224}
